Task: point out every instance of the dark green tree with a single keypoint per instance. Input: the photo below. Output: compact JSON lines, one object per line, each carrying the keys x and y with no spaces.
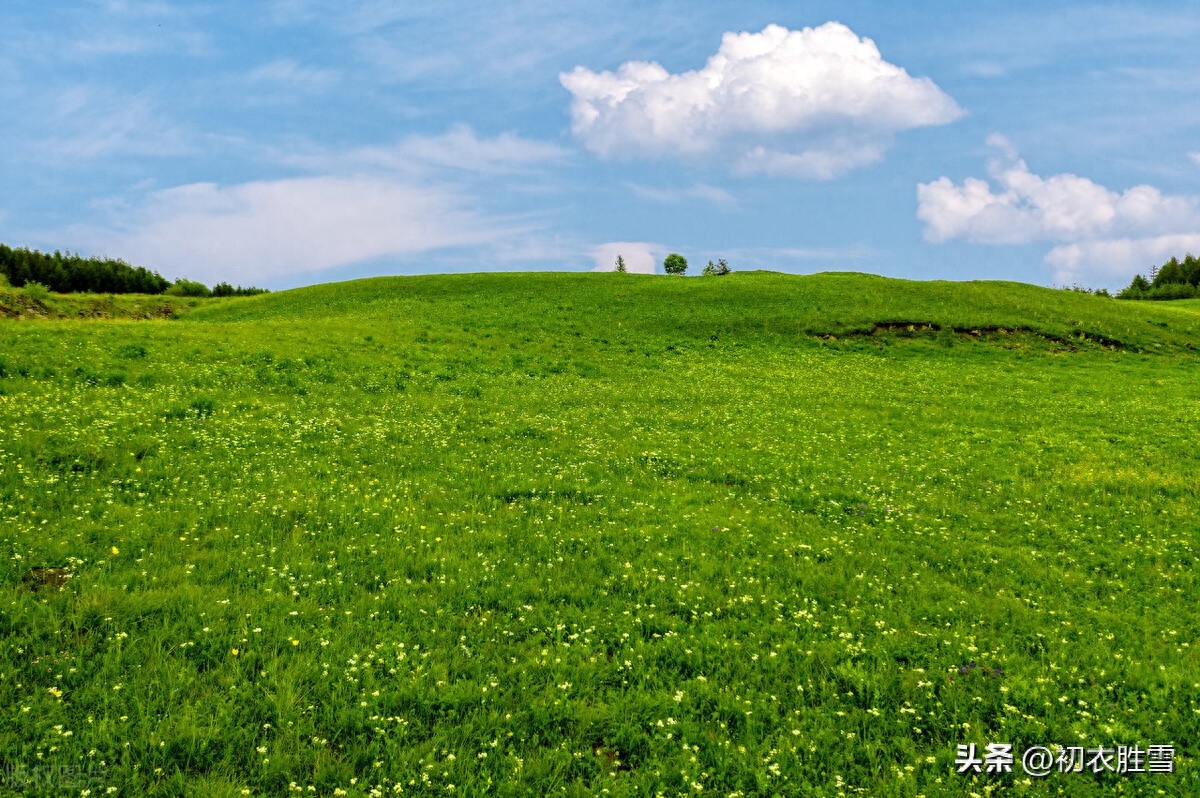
{"x":69,"y":272}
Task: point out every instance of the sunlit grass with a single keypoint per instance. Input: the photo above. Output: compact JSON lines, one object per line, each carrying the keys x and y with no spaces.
{"x":600,"y":534}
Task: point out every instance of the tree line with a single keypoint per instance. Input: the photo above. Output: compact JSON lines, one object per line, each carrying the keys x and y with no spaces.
{"x":1175,"y":279}
{"x":72,"y":273}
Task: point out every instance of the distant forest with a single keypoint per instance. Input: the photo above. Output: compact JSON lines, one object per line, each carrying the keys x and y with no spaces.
{"x":73,"y":273}
{"x":1175,"y":279}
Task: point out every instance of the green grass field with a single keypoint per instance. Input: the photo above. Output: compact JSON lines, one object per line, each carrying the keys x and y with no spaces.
{"x":599,"y":534}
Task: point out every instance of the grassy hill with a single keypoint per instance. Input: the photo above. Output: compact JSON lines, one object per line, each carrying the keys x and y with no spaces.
{"x":601,"y":534}
{"x":750,"y":302}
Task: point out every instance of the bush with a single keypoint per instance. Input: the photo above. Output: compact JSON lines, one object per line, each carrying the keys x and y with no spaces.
{"x":675,"y":264}
{"x":1171,"y":291}
{"x":719,"y":270}
{"x":186,"y":287}
{"x":36,"y":291}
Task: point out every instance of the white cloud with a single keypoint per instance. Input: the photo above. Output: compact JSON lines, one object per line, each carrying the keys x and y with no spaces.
{"x":1115,"y":261}
{"x":1100,"y":234}
{"x":267,"y":229}
{"x":1195,"y":157}
{"x":810,"y":103}
{"x":641,"y":257}
{"x":699,"y":191}
{"x":358,"y":205}
{"x":458,"y":148}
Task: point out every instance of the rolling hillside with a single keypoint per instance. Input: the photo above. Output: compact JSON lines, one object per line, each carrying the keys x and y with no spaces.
{"x":586,"y":534}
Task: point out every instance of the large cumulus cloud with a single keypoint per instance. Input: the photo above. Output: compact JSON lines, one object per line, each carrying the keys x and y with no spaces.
{"x":812,"y":103}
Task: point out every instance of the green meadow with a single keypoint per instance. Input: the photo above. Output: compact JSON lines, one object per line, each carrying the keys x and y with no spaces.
{"x":599,"y":534}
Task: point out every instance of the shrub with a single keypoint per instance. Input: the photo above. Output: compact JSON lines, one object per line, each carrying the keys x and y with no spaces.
{"x":719,"y":270}
{"x":621,"y":264}
{"x":36,"y":291}
{"x":186,"y":287}
{"x":1136,"y":289}
{"x":675,"y":264}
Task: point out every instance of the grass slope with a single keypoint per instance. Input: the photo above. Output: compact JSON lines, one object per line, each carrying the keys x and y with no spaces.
{"x":599,"y":534}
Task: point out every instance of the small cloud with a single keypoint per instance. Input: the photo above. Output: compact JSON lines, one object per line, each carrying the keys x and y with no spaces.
{"x":812,"y":103}
{"x":1194,"y":157}
{"x":641,"y":257}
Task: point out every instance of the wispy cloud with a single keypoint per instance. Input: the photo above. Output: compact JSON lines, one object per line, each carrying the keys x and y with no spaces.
{"x":448,"y":41}
{"x":123,"y":30}
{"x":262,"y":230}
{"x":287,"y":74}
{"x":772,"y":257}
{"x":91,"y":122}
{"x":458,"y":149}
{"x":698,"y":191}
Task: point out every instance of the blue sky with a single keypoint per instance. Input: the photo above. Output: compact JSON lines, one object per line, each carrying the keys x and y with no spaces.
{"x":292,"y":142}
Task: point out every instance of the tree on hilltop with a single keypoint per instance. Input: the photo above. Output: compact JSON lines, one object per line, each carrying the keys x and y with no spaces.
{"x":720,"y":269}
{"x":675,"y":264}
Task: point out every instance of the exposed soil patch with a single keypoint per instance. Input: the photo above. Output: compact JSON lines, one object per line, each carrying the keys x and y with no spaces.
{"x":914,"y":329}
